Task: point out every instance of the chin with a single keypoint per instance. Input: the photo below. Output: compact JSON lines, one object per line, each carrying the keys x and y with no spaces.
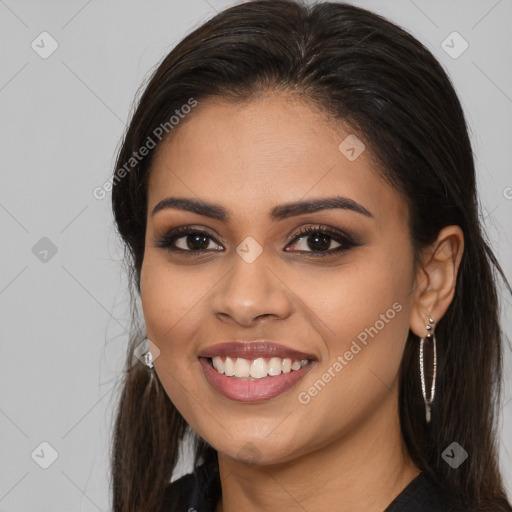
{"x":261,"y":452}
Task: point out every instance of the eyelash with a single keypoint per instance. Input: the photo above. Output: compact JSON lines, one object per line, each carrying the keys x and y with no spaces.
{"x":167,"y":240}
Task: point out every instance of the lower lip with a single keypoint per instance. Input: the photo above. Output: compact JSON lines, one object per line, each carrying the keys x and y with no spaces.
{"x":258,"y":390}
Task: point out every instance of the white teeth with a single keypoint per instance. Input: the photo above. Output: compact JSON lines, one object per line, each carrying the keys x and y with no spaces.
{"x":229,"y":367}
{"x":242,"y":367}
{"x":274,"y":366}
{"x":257,"y":368}
{"x":218,"y":364}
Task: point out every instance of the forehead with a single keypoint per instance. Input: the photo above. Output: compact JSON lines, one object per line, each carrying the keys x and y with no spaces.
{"x":255,"y":154}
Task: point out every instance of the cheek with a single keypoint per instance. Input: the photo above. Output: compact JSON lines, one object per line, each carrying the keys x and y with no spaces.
{"x":356,"y":302}
{"x":157,"y":297}
{"x":169,"y":300}
{"x":366,"y":318}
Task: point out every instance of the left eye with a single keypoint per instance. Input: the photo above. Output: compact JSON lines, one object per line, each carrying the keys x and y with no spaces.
{"x":317,"y":240}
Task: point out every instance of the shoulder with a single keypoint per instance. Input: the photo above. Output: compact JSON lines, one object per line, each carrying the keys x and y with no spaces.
{"x":199,"y":491}
{"x":423,"y":494}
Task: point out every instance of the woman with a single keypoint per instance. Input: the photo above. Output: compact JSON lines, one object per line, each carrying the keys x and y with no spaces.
{"x":296,"y":191}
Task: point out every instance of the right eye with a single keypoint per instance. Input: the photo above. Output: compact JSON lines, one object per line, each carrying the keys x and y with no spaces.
{"x":195,"y":240}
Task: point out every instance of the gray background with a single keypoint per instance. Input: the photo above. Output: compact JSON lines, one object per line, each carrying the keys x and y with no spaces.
{"x":64,"y":320}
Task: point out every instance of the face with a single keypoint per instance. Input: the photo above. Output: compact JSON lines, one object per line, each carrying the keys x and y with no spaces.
{"x":335,"y":301}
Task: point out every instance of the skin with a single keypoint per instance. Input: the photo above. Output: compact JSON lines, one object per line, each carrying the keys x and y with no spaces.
{"x":343,"y":450}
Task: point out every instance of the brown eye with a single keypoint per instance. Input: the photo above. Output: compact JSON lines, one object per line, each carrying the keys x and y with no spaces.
{"x":318,"y":240}
{"x":194,"y":240}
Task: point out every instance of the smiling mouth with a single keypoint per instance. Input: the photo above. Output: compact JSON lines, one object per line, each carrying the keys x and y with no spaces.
{"x":254,"y":371}
{"x":257,"y":368}
{"x":243,"y":387}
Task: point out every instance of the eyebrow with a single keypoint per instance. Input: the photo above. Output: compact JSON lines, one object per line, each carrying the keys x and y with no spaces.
{"x":277,"y":213}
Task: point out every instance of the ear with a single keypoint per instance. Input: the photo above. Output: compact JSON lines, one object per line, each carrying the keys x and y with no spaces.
{"x":436,"y":278}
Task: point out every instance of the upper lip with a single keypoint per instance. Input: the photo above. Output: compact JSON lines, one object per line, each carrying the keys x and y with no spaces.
{"x":253,"y":350}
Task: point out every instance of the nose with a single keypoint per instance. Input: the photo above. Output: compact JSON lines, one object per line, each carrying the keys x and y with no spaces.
{"x":251,"y":291}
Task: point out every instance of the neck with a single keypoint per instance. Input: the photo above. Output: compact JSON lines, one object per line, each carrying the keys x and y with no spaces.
{"x":363,"y":471}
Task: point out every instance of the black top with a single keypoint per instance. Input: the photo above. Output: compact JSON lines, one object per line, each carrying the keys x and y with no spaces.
{"x":200,"y":491}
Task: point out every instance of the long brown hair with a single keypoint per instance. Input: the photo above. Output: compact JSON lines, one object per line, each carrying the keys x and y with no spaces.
{"x":364,"y":70}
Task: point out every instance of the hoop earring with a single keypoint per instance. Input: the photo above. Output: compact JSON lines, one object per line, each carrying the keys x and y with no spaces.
{"x":430,"y":339}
